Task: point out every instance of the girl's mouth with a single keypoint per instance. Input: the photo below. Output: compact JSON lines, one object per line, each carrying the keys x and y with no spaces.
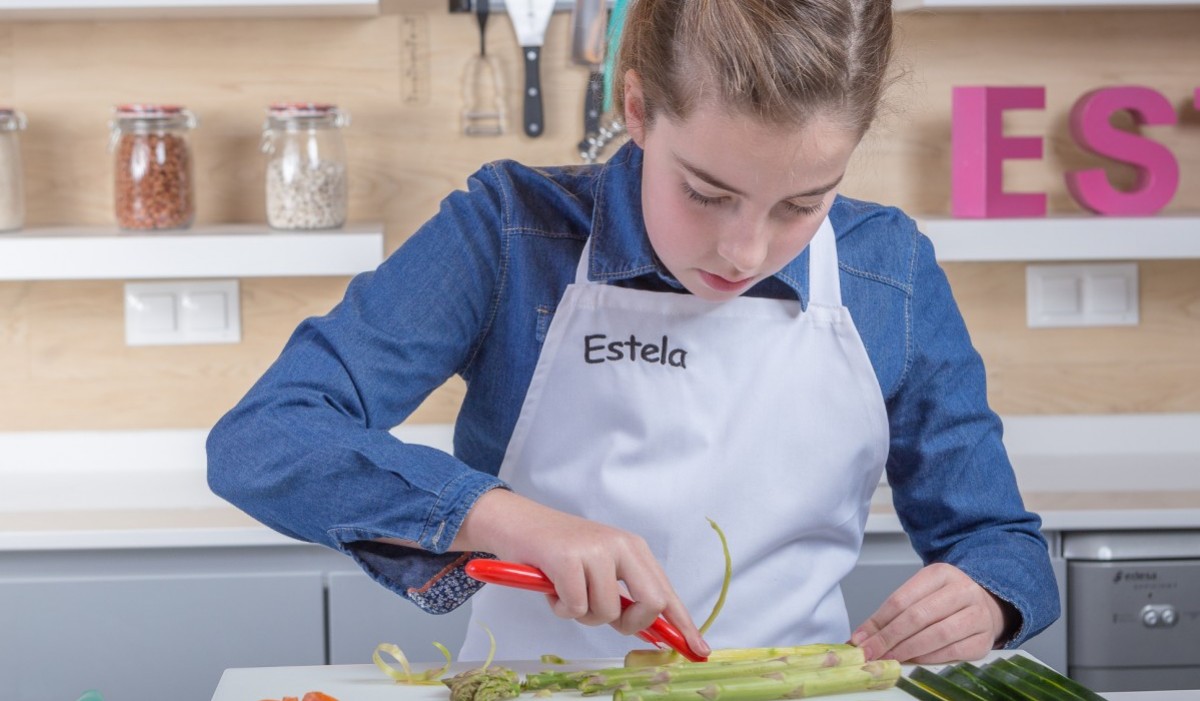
{"x":721,"y":284}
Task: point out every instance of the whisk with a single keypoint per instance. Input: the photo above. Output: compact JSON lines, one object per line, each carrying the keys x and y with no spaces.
{"x":483,"y":86}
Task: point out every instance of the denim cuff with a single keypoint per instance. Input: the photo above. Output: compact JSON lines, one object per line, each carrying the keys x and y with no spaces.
{"x":436,"y":583}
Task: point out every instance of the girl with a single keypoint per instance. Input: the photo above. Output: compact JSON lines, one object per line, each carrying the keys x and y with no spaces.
{"x":701,"y":327}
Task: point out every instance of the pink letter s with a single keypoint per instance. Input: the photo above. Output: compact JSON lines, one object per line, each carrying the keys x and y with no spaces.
{"x":1157,"y":169}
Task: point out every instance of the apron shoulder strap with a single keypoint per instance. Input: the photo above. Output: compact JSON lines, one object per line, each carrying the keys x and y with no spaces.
{"x":824,"y":283}
{"x":581,"y":269}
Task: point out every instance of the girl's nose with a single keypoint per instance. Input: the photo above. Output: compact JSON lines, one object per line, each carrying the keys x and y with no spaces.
{"x":744,"y":245}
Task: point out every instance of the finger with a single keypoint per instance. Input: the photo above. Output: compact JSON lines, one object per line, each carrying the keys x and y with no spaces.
{"x":666,"y":601}
{"x":677,"y":614}
{"x":947,"y":635}
{"x":571,"y":597}
{"x":689,"y":630}
{"x":922,"y":614}
{"x":925,"y":582}
{"x":636,"y":617}
{"x":604,"y":596}
{"x":973,"y":648}
{"x":648,"y":591}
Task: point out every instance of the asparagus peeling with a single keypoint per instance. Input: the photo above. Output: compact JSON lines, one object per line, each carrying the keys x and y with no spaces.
{"x":482,"y":683}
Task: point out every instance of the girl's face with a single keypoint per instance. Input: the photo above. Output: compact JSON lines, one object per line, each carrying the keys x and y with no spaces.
{"x":728,"y":200}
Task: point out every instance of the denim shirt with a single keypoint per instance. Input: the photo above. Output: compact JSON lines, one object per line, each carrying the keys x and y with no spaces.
{"x":308,"y":451}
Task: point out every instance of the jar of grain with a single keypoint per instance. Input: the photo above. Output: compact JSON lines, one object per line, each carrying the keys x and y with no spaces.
{"x":12,"y":190}
{"x":306,"y":165}
{"x":153,"y":166}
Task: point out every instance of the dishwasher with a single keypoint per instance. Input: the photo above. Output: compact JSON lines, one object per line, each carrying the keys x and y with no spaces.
{"x":1133,"y":609}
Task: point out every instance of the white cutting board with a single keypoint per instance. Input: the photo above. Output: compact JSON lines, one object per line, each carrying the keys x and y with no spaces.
{"x":366,"y":683}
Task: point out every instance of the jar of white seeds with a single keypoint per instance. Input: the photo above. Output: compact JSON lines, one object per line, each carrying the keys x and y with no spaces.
{"x":12,"y":191}
{"x":306,"y":165}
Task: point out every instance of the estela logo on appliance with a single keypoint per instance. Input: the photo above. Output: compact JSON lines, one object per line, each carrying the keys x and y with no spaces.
{"x":1135,"y":576}
{"x":598,"y":349}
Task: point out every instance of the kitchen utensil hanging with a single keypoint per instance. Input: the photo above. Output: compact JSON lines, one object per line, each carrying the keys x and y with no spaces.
{"x":483,"y":86}
{"x":587,"y":49}
{"x":530,"y":19}
{"x":602,"y":126}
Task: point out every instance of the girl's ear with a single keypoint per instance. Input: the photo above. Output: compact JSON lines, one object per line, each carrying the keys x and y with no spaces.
{"x":635,"y":108}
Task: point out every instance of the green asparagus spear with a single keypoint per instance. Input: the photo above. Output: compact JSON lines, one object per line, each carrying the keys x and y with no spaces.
{"x":634,"y":677}
{"x":656,"y":658}
{"x":880,"y":674}
{"x":554,"y":680}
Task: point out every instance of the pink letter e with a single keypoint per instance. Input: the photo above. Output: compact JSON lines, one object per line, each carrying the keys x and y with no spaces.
{"x":980,"y":149}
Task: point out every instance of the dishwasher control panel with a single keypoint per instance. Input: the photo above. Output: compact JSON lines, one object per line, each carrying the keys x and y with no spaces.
{"x":1134,"y":613}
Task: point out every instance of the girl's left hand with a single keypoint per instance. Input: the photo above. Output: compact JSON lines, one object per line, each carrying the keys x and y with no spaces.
{"x":939,"y":615}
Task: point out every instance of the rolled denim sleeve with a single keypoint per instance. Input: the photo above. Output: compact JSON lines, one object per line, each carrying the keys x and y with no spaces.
{"x":308,"y":450}
{"x":953,"y":485}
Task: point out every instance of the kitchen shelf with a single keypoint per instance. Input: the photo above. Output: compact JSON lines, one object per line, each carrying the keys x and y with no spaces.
{"x":1064,"y":238}
{"x":901,"y":5}
{"x":223,"y":251}
{"x":181,"y":9}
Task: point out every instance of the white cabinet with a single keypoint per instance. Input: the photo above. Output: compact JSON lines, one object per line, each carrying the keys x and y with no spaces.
{"x":157,"y":623}
{"x":363,"y":614}
{"x":149,"y":625}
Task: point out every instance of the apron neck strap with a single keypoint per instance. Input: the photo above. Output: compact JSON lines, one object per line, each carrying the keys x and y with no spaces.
{"x":824,"y":285}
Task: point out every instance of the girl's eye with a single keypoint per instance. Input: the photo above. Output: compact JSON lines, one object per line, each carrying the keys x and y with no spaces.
{"x":698,"y":198}
{"x":803,"y":210}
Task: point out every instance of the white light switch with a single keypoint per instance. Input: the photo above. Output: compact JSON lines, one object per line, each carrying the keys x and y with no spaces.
{"x":1081,"y":295}
{"x":182,"y":312}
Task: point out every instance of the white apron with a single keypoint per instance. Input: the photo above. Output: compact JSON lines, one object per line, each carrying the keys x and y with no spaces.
{"x":652,"y":411}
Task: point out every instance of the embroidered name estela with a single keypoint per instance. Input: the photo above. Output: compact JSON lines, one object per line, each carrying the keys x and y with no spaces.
{"x":598,"y":349}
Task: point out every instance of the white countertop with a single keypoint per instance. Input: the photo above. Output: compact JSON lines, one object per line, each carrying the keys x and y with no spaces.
{"x":145,"y":489}
{"x":367,"y":683}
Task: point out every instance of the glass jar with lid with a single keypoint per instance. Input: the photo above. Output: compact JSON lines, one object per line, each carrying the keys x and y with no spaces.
{"x":306,"y":165}
{"x":12,"y":190}
{"x":153,"y":187}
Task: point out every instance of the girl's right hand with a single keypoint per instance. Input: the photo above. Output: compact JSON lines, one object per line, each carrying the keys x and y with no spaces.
{"x":586,"y":560}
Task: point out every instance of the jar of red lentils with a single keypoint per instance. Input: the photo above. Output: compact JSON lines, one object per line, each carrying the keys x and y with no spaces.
{"x":152,"y":166}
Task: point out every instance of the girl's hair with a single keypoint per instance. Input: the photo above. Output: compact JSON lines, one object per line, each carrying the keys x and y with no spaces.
{"x":781,"y":61}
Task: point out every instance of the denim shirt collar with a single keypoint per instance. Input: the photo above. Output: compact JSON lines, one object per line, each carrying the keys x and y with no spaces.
{"x":621,"y":248}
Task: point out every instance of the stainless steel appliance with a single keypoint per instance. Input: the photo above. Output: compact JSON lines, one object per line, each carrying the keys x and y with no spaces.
{"x":1133,"y":609}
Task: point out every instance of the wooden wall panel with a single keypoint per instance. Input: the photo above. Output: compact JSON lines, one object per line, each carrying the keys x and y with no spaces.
{"x":63,"y":362}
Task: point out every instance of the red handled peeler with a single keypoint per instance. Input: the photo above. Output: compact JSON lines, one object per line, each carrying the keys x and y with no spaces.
{"x":511,"y":574}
